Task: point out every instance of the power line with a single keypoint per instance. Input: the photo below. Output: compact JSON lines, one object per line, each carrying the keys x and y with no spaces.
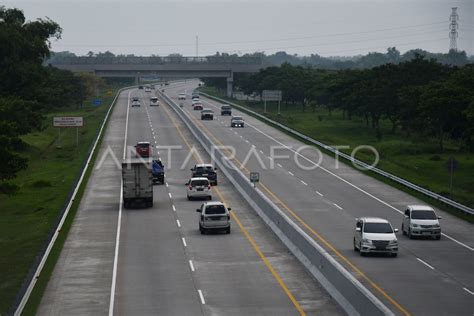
{"x":264,"y":40}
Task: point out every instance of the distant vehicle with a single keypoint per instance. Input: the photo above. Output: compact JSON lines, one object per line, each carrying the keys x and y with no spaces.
{"x":140,"y":87}
{"x":135,"y":101}
{"x":205,"y":170}
{"x":226,"y":110}
{"x":421,"y":221}
{"x":182,"y":96}
{"x":143,"y":149}
{"x":147,"y":89}
{"x":198,"y":187}
{"x":214,"y":216}
{"x":154,"y":101}
{"x":375,"y":235}
{"x":195,"y":100}
{"x":158,"y":171}
{"x":137,"y":183}
{"x":197,"y":106}
{"x":200,"y":83}
{"x":236,"y":121}
{"x":207,"y":114}
{"x":167,"y":83}
{"x":195,"y":94}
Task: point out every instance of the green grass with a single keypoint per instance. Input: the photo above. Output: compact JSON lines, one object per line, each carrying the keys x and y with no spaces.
{"x":416,"y":159}
{"x":27,"y":217}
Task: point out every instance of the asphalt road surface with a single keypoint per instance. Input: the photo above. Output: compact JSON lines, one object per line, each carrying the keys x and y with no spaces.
{"x":428,"y":277}
{"x":149,"y":261}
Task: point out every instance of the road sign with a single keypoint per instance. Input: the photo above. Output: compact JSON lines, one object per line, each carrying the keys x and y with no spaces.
{"x":97,"y":102}
{"x":109,"y":92}
{"x":271,"y":95}
{"x":68,"y":121}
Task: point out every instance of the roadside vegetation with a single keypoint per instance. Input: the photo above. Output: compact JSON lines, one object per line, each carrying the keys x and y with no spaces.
{"x":36,"y":176}
{"x":417,"y":114}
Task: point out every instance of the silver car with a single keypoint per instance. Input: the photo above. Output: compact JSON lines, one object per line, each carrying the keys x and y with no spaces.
{"x":214,"y":216}
{"x":375,"y":235}
{"x":421,"y":221}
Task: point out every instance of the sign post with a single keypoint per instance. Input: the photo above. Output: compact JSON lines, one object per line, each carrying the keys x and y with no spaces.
{"x":68,"y":121}
{"x":271,"y":95}
{"x":452,"y":165}
{"x":254,"y":178}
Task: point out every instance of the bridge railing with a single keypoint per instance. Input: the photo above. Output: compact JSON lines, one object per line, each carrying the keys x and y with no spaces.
{"x":56,"y":60}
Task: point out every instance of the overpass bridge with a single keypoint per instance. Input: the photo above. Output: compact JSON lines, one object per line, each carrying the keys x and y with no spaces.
{"x":164,"y":67}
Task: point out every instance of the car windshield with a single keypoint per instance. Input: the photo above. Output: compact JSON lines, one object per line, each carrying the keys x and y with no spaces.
{"x":215,"y":209}
{"x":199,"y":182}
{"x":204,"y":169}
{"x":154,"y":99}
{"x":225,"y":107}
{"x":378,"y":228}
{"x":135,"y":99}
{"x":237,"y":118}
{"x":423,"y":214}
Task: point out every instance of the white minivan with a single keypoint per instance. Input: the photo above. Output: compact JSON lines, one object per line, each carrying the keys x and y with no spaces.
{"x":199,"y":187}
{"x":421,"y":221}
{"x":375,"y":235}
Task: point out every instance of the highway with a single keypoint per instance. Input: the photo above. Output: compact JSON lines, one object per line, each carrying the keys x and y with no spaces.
{"x":149,"y":261}
{"x":427,"y":278}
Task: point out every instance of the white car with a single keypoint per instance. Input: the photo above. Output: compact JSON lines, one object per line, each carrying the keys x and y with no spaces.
{"x":147,"y":89}
{"x":214,"y":216}
{"x":135,"y":102}
{"x":195,"y":100}
{"x":421,"y":221}
{"x":182,"y":96}
{"x":199,"y":187}
{"x":375,"y":235}
{"x":154,"y":101}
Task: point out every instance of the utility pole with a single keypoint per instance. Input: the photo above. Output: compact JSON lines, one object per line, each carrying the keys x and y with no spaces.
{"x":453,"y":29}
{"x":197,"y":45}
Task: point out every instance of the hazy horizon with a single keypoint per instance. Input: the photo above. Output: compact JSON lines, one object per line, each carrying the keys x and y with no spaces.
{"x":326,"y":28}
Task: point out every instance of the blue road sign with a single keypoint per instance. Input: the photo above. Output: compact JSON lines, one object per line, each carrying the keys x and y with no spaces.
{"x":97,"y":102}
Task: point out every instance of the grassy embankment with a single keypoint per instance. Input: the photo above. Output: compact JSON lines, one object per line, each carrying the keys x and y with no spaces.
{"x":416,"y":159}
{"x":27,"y":217}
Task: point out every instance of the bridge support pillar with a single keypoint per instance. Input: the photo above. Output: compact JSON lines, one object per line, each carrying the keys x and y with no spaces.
{"x":230,"y":82}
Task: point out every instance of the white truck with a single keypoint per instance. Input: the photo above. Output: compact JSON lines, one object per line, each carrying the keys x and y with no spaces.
{"x":137,"y":182}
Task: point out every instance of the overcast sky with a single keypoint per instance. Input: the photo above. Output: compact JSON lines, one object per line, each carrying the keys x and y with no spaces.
{"x":327,"y":28}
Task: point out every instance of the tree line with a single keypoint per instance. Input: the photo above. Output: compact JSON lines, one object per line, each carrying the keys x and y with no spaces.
{"x":28,"y":89}
{"x":420,"y":96}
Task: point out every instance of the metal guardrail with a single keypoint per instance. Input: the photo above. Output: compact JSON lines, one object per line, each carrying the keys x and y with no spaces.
{"x":40,"y":260}
{"x":445,"y":200}
{"x":351,"y":295}
{"x":153,"y":60}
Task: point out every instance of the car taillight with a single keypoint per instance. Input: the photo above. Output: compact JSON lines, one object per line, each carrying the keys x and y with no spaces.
{"x":190,"y":187}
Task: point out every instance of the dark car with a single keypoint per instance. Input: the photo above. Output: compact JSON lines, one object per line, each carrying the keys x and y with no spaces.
{"x":207,"y":114}
{"x":236,"y":121}
{"x":226,"y":110}
{"x":158,"y":171}
{"x":206,"y":171}
{"x":143,"y":149}
{"x":140,"y":87}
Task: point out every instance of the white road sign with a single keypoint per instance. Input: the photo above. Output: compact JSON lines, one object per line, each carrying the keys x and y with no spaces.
{"x":271,"y":95}
{"x":68,"y":121}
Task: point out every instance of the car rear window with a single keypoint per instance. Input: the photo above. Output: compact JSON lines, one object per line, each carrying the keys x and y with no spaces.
{"x":225,"y":107}
{"x":423,"y":215}
{"x":237,"y":118}
{"x":204,"y":169}
{"x":143,"y":145}
{"x":378,"y":228}
{"x":215,"y":209}
{"x":199,"y":182}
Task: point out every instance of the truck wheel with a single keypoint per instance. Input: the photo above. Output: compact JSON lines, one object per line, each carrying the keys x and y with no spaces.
{"x":354,"y":243}
{"x":189,"y":198}
{"x":403,"y":230}
{"x":209,"y":197}
{"x":438,"y":237}
{"x":395,"y":254}
{"x":409,"y":233}
{"x":227,"y":231}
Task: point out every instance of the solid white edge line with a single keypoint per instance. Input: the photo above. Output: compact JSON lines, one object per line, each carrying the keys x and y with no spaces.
{"x":468,"y":291}
{"x":191,"y":265}
{"x":349,"y":183}
{"x":426,"y":264}
{"x":178,"y":223}
{"x":184,"y":242}
{"x":119,"y":222}
{"x":337,"y":206}
{"x":203,"y":302}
